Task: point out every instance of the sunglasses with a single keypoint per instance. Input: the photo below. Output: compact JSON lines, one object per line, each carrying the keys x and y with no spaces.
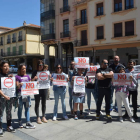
{"x":40,"y":64}
{"x":106,"y":63}
{"x":58,"y":67}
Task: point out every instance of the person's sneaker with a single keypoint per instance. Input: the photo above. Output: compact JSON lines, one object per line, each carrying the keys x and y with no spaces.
{"x":111,"y":109}
{"x":20,"y":124}
{"x":97,"y":117}
{"x":66,"y":118}
{"x":135,"y":116}
{"x":29,"y":125}
{"x":101,"y":113}
{"x":54,"y":118}
{"x":132,"y":120}
{"x":108,"y":116}
{"x":121,"y":119}
{"x":115,"y":109}
{"x":1,"y":132}
{"x":125,"y":115}
{"x":11,"y":129}
{"x":89,"y":112}
{"x":75,"y":117}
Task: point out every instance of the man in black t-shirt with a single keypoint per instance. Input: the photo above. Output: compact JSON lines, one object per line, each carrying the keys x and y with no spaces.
{"x":115,"y":67}
{"x":104,"y":76}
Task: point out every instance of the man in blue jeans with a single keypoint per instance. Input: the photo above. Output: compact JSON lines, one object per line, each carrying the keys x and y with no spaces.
{"x":115,"y":66}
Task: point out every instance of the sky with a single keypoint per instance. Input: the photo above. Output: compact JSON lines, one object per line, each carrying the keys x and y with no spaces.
{"x":14,"y":12}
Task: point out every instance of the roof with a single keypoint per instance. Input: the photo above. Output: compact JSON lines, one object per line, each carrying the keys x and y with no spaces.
{"x":6,"y":28}
{"x":27,"y":25}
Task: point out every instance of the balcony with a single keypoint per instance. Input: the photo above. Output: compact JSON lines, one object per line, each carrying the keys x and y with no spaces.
{"x":78,"y":43}
{"x":65,"y":34}
{"x":13,"y":53}
{"x":20,"y":38}
{"x":13,"y":40}
{"x":47,"y":37}
{"x":1,"y":43}
{"x":65,"y":9}
{"x":48,"y":15}
{"x":80,"y":2}
{"x":80,"y":21}
{"x":8,"y":41}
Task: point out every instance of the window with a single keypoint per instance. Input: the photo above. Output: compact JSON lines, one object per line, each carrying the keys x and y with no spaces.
{"x":83,"y":37}
{"x":117,"y":5}
{"x":129,"y":4}
{"x":118,"y":30}
{"x":1,"y":52}
{"x":14,"y":37}
{"x":8,"y":51}
{"x":51,"y":28}
{"x":100,"y":32}
{"x":100,"y":9}
{"x":65,"y":3}
{"x":14,"y":50}
{"x":8,"y":39}
{"x":83,"y":16}
{"x":1,"y":41}
{"x":66,"y":25}
{"x":129,"y":28}
{"x":20,"y":50}
{"x":20,"y":36}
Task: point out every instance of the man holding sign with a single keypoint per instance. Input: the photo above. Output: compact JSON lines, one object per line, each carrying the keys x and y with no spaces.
{"x":104,"y":76}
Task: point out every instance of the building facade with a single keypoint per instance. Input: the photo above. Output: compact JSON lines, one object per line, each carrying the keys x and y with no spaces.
{"x":22,"y":45}
{"x":58,"y":32}
{"x":113,"y":28}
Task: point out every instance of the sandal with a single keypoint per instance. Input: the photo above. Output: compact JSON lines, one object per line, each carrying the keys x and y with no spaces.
{"x":44,"y":120}
{"x":39,"y":121}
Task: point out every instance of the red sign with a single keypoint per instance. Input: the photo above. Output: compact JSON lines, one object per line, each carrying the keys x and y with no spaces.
{"x":79,"y":80}
{"x":8,"y":82}
{"x":93,"y":68}
{"x":122,"y":76}
{"x":43,"y":76}
{"x":29,"y":85}
{"x":81,"y":60}
{"x":60,"y":77}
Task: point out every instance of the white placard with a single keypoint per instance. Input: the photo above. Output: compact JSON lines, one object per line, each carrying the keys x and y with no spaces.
{"x":29,"y":88}
{"x":121,"y":79}
{"x":60,"y":79}
{"x":136,"y":72}
{"x":43,"y":79}
{"x":81,"y":62}
{"x":79,"y":84}
{"x":92,"y":70}
{"x":8,"y":86}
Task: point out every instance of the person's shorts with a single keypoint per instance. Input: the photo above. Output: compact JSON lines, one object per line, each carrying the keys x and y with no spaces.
{"x":77,"y":99}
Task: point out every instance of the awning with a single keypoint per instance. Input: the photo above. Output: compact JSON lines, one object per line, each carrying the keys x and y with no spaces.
{"x":84,"y":49}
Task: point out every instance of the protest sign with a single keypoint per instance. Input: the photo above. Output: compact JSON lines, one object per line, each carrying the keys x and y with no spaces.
{"x":79,"y":84}
{"x":92,"y":70}
{"x":121,"y":79}
{"x":43,"y":79}
{"x":136,"y":72}
{"x":8,"y":86}
{"x":29,"y":88}
{"x":81,"y":62}
{"x":60,"y":79}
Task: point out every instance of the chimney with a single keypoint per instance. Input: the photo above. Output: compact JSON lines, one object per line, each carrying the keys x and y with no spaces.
{"x":24,"y":23}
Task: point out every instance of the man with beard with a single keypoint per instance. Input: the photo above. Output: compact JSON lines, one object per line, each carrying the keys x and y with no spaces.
{"x":132,"y":91}
{"x":115,"y":67}
{"x":104,"y":76}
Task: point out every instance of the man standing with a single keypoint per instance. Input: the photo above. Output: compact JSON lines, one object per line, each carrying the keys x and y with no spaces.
{"x":115,"y":66}
{"x":104,"y":76}
{"x":132,"y":91}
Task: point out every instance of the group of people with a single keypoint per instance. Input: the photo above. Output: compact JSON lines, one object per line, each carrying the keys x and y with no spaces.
{"x":102,"y":86}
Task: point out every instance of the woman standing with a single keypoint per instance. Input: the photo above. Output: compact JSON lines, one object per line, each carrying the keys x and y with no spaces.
{"x":26,"y":101}
{"x":78,"y":98}
{"x":5,"y":101}
{"x":59,"y":91}
{"x":42,"y":94}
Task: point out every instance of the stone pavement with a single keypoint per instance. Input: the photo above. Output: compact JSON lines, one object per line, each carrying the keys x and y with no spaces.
{"x":82,"y":129}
